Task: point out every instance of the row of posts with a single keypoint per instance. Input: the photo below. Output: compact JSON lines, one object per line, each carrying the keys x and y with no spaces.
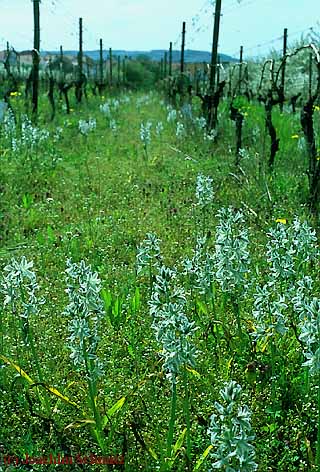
{"x":163,"y":62}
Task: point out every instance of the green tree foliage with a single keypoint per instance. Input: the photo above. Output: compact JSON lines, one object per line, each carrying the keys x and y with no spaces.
{"x":142,"y":72}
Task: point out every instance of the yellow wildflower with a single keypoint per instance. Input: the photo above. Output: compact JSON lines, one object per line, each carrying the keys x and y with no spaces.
{"x":281,"y":220}
{"x":316,"y":108}
{"x":295,"y":136}
{"x":15,"y":94}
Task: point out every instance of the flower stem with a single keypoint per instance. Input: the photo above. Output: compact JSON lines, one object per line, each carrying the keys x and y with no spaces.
{"x":172,"y":418}
{"x":318,"y":432}
{"x":187,"y":416}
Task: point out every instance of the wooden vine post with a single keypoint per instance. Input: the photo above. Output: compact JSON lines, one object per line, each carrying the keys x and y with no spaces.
{"x":218,"y":69}
{"x":100,"y":65}
{"x":310,"y":74}
{"x":119,"y":69}
{"x":240,"y":69}
{"x":110,"y":67}
{"x":283,"y":71}
{"x":80,"y":64}
{"x":307,"y":125}
{"x":179,"y":85}
{"x":124,"y":70}
{"x":165,"y":64}
{"x":170,"y":59}
{"x":183,"y":47}
{"x":212,"y":115}
{"x":7,"y":61}
{"x":61,"y":64}
{"x":35,"y":58}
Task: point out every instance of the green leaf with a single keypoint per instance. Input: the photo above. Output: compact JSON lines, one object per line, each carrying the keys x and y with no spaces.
{"x":18,"y":369}
{"x":50,"y":389}
{"x":79,"y":424}
{"x":152,"y":453}
{"x":176,"y":448}
{"x":51,"y":235}
{"x":116,"y":407}
{"x":130,"y":351}
{"x":135,"y":302}
{"x":179,"y":442}
{"x":56,"y":392}
{"x":193,"y":372}
{"x":107,"y":299}
{"x":202,"y":458}
{"x":202,"y":307}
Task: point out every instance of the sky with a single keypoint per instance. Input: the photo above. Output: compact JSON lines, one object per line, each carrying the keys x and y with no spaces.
{"x":151,"y":24}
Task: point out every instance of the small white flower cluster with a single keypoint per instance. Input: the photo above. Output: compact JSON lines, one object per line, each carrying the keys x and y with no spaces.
{"x":32,"y":136}
{"x":113,"y":125}
{"x":186,"y":111}
{"x":144,"y":100}
{"x":105,"y":109}
{"x":86,"y":312}
{"x":9,"y":123}
{"x":58,"y":133}
{"x":172,"y":327}
{"x":28,"y":137}
{"x":172,"y":115}
{"x":125,"y":99}
{"x":310,"y":335}
{"x":85,"y":127}
{"x":145,"y":133}
{"x":112,"y":105}
{"x":159,"y":128}
{"x":200,"y":268}
{"x":204,"y":190}
{"x":308,"y":309}
{"x":200,"y":123}
{"x":180,"y":130}
{"x":256,"y":133}
{"x":244,"y":153}
{"x":3,"y":109}
{"x":269,"y":313}
{"x":19,"y":286}
{"x":211,"y":136}
{"x":232,"y":251}
{"x":231,"y":432}
{"x":148,"y":254}
{"x":289,"y":248}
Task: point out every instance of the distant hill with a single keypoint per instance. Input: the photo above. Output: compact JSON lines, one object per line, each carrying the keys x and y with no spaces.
{"x":154,"y":55}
